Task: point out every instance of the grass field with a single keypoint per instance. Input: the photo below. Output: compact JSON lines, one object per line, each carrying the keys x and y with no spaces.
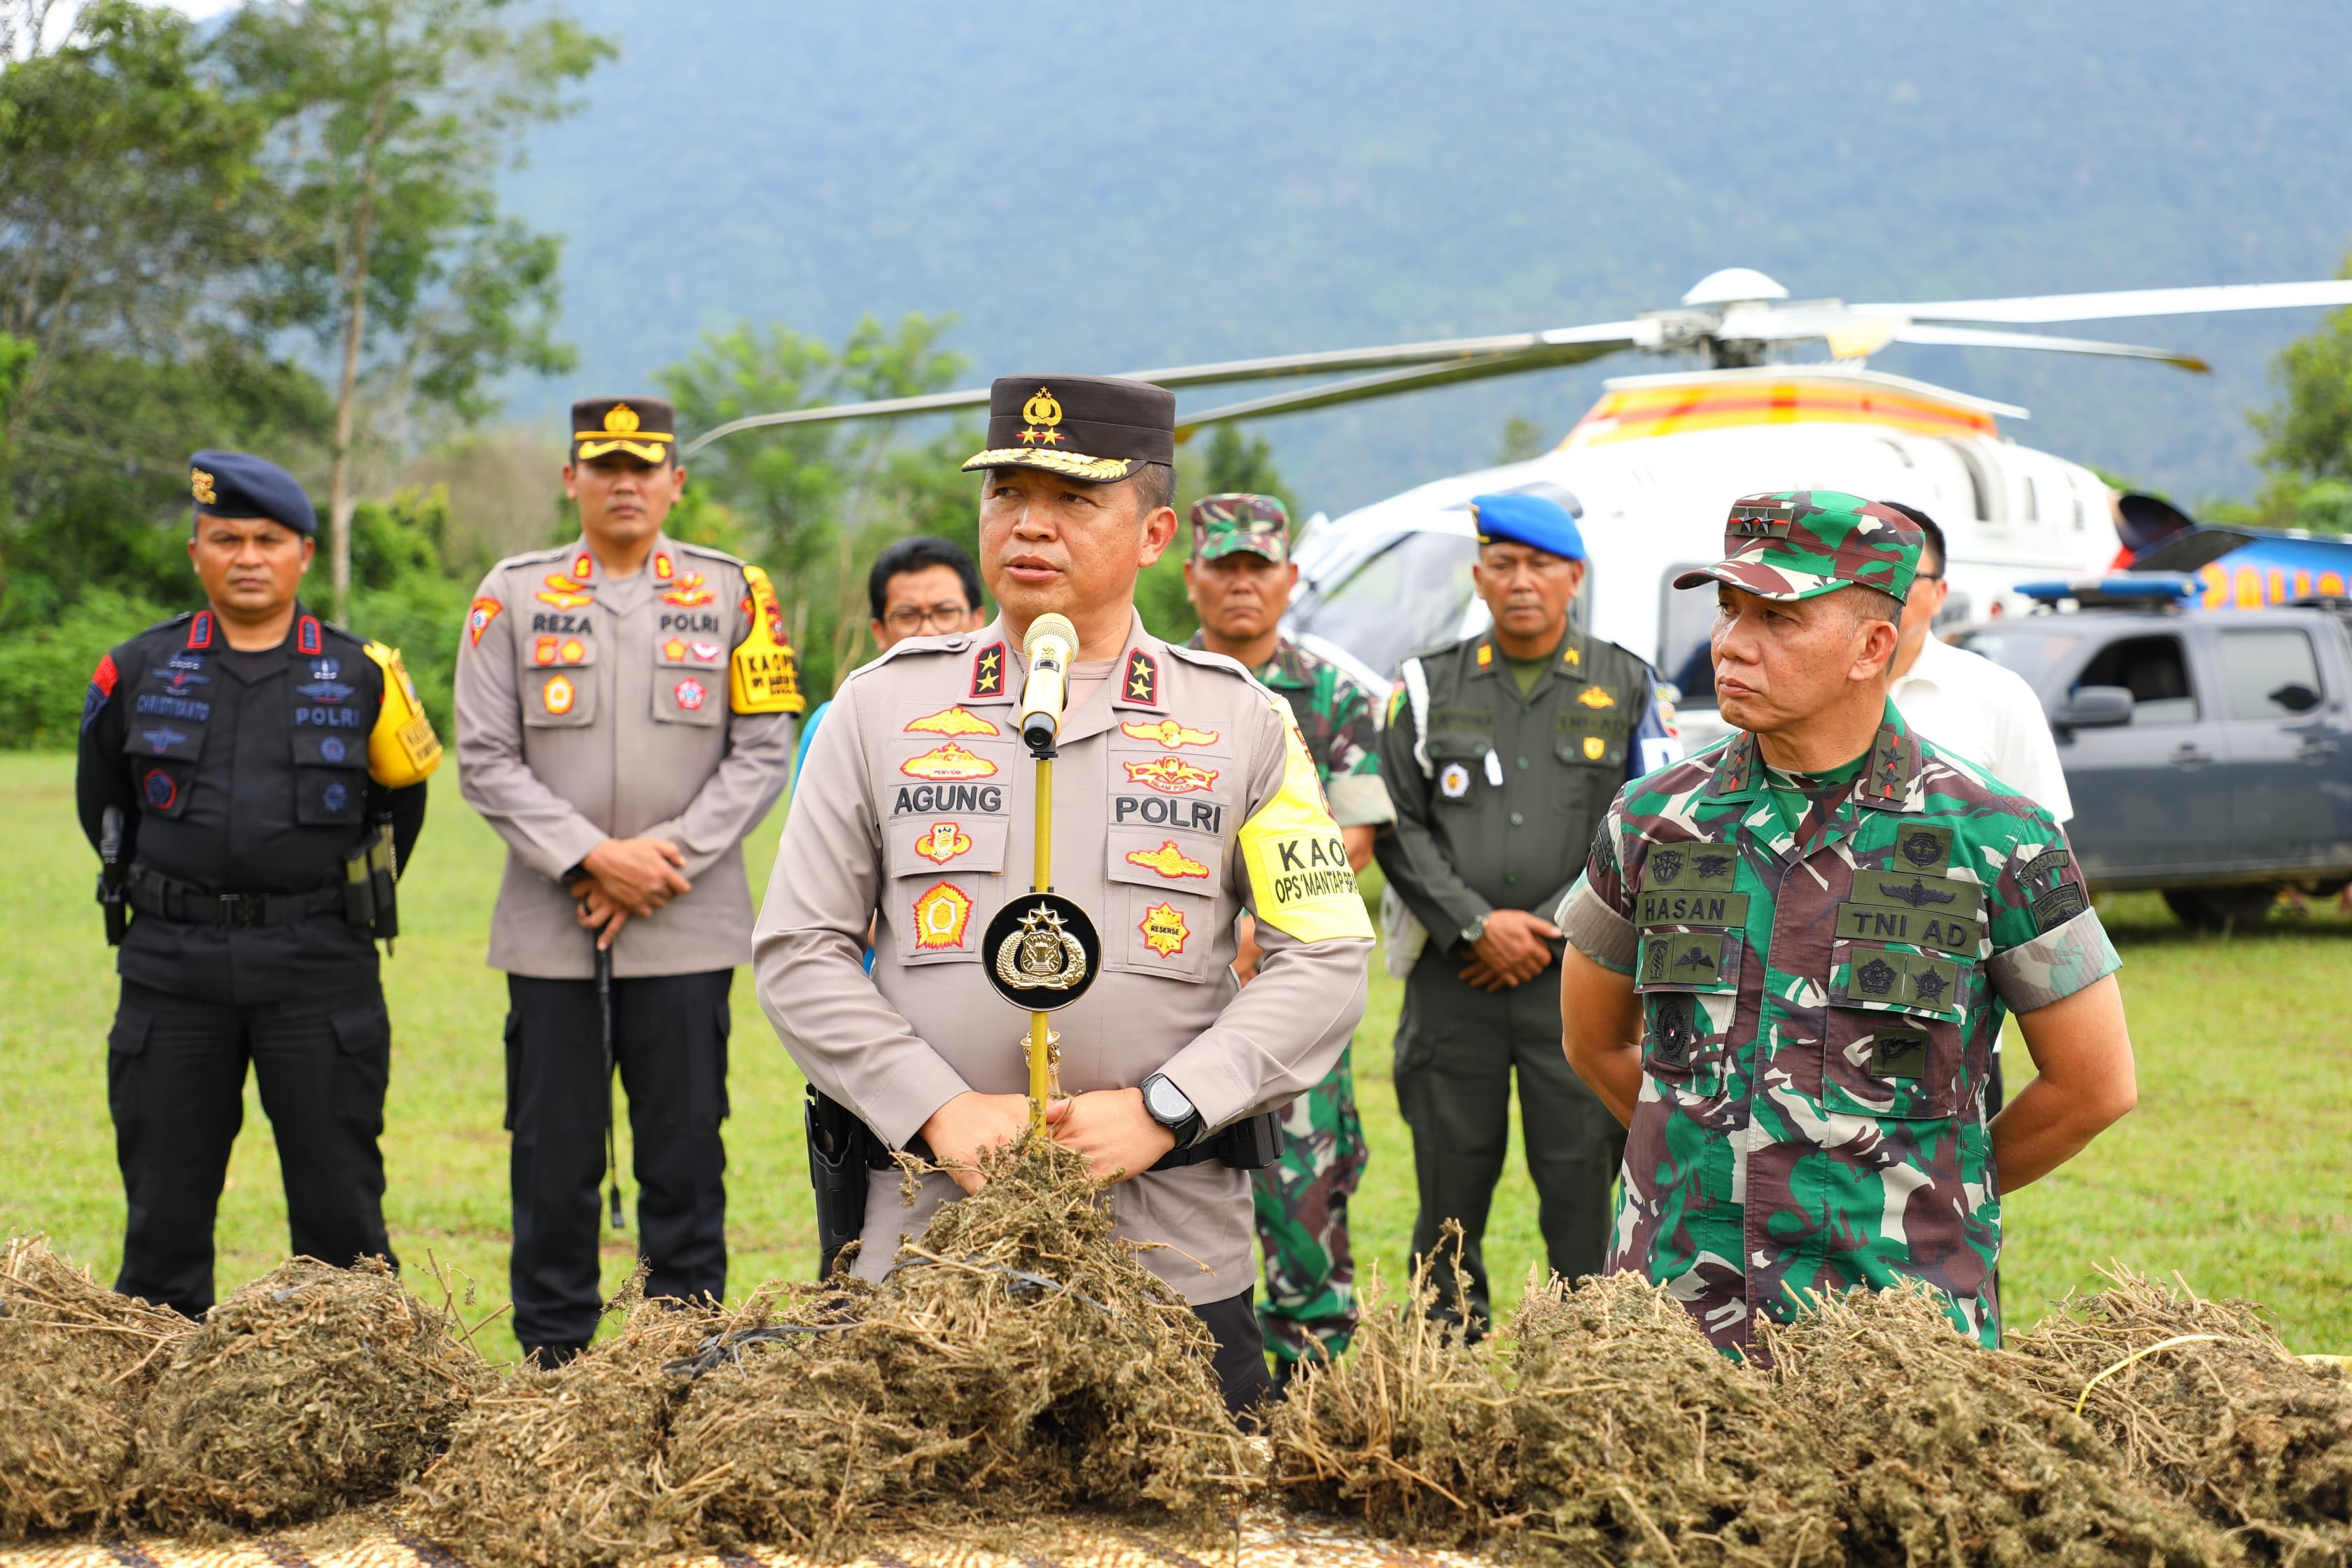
{"x":2236,"y":1171}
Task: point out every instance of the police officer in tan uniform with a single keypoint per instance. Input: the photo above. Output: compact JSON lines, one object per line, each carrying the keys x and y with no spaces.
{"x":1184,"y":795}
{"x":626,"y":707}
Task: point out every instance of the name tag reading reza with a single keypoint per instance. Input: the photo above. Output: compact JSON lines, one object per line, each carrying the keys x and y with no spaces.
{"x":1043,"y":952}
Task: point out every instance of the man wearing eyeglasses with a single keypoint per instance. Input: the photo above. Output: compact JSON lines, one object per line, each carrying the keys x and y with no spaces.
{"x":920,"y":587}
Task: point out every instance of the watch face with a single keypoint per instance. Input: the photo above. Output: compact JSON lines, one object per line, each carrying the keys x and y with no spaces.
{"x":1166,"y":1102}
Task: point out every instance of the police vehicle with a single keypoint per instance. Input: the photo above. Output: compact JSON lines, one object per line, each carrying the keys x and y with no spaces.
{"x":2209,"y":751}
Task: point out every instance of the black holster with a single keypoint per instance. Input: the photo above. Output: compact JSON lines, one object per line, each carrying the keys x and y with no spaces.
{"x":1250,"y":1144}
{"x":371,"y":903}
{"x":111,"y":875}
{"x":841,"y":1151}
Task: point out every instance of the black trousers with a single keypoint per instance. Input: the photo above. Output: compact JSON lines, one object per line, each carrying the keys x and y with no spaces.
{"x":1241,"y":1350}
{"x":1457,"y":1049}
{"x":175,"y":1084}
{"x":669,"y":1041}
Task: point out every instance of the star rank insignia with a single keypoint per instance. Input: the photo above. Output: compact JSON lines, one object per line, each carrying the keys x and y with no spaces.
{"x":988,"y":671}
{"x":1142,"y":680}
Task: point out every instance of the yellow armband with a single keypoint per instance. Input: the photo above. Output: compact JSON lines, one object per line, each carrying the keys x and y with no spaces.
{"x":402,"y":749}
{"x":1300,"y":882}
{"x":764,"y":676}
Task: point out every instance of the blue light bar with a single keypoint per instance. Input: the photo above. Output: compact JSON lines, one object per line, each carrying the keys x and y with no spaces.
{"x":2137,"y":588}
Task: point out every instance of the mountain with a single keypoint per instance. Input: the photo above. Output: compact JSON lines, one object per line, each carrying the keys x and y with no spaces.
{"x":1102,"y":187}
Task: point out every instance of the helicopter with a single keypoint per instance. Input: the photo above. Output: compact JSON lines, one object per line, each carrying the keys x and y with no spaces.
{"x":1650,"y":469}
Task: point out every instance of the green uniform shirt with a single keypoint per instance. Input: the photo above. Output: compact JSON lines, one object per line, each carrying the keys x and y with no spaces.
{"x":1497,"y":791}
{"x":1820,"y":1002}
{"x":1337,"y":719}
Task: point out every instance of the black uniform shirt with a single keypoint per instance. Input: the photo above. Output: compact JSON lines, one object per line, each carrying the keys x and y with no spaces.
{"x":240,"y":773}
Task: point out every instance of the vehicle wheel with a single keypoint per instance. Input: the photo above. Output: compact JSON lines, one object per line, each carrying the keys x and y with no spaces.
{"x":2221,"y":908}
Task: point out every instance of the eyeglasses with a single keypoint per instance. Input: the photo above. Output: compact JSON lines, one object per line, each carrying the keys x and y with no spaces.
{"x":948,"y":615}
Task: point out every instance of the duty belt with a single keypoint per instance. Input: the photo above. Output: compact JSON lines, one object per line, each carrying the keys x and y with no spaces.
{"x":169,"y":899}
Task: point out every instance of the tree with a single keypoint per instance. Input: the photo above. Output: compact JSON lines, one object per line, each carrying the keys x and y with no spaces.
{"x":125,"y":165}
{"x":817,"y":501}
{"x":2307,"y":435}
{"x":393,"y":121}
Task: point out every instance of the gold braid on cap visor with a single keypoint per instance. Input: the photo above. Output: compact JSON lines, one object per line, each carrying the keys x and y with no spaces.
{"x":1096,"y":470}
{"x":594,"y":443}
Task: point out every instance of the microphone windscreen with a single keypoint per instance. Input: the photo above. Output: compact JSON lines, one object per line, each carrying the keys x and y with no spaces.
{"x":1050,"y":627}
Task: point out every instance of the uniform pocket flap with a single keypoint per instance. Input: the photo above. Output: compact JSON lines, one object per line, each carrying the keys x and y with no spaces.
{"x":690,"y":652}
{"x":560,"y":650}
{"x":1157,"y":858}
{"x":1872,"y":974}
{"x":1689,"y":961}
{"x":925,"y":844}
{"x":359,"y":1029}
{"x":328,"y":750}
{"x":129,"y":1035}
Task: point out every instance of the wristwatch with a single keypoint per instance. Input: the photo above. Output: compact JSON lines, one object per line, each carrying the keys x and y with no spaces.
{"x":1171,"y":1107}
{"x":1472,"y":931}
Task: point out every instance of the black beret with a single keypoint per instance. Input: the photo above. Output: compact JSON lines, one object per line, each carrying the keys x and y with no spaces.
{"x":1097,"y":428}
{"x":236,"y":484}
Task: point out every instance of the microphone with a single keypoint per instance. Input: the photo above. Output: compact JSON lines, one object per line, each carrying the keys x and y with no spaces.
{"x":1050,"y":645}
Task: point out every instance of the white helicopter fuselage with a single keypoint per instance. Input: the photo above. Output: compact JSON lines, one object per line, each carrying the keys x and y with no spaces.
{"x":1653,"y":469}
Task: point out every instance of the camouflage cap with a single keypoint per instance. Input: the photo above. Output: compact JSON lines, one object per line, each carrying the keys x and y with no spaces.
{"x":1238,"y":520}
{"x":1799,"y":544}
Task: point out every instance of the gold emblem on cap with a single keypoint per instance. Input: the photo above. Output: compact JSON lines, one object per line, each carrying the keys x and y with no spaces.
{"x":622,"y":421}
{"x":1042,"y":409}
{"x":200,"y":485}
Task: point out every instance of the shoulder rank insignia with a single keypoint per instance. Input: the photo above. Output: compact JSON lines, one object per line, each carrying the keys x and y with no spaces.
{"x":662,"y":570}
{"x":689,"y":591}
{"x":1142,"y":680}
{"x":988,"y":671}
{"x":1596,"y":696}
{"x":1486,"y":657}
{"x":941,"y":914}
{"x":566,"y":593}
{"x":943,"y":843}
{"x":584,"y":565}
{"x":1169,"y":860}
{"x":479,"y":618}
{"x":947,"y":762}
{"x":1169,"y":775}
{"x":200,"y":629}
{"x":1166,"y":733}
{"x":1164,"y":930}
{"x":950,"y":720}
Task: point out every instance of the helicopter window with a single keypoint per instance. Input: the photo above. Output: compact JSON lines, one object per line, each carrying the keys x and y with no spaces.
{"x":2270,"y":673}
{"x":1403,"y":598}
{"x":2154,"y":670}
{"x":1979,"y":494}
{"x":1685,"y":620}
{"x":2031,"y":490}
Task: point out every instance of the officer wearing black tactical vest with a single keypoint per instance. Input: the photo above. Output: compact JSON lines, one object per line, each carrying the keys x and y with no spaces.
{"x":1501,"y":752}
{"x":253,"y":781}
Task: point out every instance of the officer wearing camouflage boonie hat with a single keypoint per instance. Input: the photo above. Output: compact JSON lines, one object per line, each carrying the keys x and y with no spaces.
{"x":1301,"y":1201}
{"x":1795,"y":951}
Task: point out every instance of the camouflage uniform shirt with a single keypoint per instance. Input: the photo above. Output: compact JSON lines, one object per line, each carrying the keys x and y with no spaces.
{"x":1820,"y":1004}
{"x":1335,"y":714}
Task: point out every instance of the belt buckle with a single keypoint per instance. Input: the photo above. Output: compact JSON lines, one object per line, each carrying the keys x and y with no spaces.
{"x":237,"y":911}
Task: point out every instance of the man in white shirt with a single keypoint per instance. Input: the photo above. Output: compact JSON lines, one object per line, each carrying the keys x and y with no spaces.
{"x":1963,"y":701}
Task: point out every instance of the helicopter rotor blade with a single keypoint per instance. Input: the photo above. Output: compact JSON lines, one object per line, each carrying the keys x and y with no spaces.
{"x":1600,"y":337}
{"x":2030,"y":309}
{"x":1978,"y":337}
{"x":1413,"y":378}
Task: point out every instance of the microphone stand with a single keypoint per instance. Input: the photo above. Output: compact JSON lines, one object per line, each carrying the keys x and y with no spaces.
{"x":1042,"y":1055}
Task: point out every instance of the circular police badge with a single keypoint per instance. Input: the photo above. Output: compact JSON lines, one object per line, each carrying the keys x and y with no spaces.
{"x":1453,"y":781}
{"x":1042,"y":951}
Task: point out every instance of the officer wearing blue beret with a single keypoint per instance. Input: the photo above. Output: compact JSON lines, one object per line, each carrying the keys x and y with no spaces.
{"x":1501,"y":752}
{"x":253,"y":780}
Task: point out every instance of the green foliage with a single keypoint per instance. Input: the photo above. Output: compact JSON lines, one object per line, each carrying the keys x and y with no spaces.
{"x":815,"y":503}
{"x":44,"y":670}
{"x":2307,"y":434}
{"x":1522,"y":439}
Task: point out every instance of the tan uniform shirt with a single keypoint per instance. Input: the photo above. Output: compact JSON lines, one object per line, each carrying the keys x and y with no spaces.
{"x":590,"y":707}
{"x":1182,"y":794}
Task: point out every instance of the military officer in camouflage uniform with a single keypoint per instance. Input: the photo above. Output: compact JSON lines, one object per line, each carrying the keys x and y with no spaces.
{"x":624,"y":715}
{"x":1793,"y":951}
{"x":1501,"y":751}
{"x":1239,"y":579}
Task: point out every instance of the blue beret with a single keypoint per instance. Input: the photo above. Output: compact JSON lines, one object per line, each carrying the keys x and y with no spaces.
{"x":1534,"y":520}
{"x":234,"y":484}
